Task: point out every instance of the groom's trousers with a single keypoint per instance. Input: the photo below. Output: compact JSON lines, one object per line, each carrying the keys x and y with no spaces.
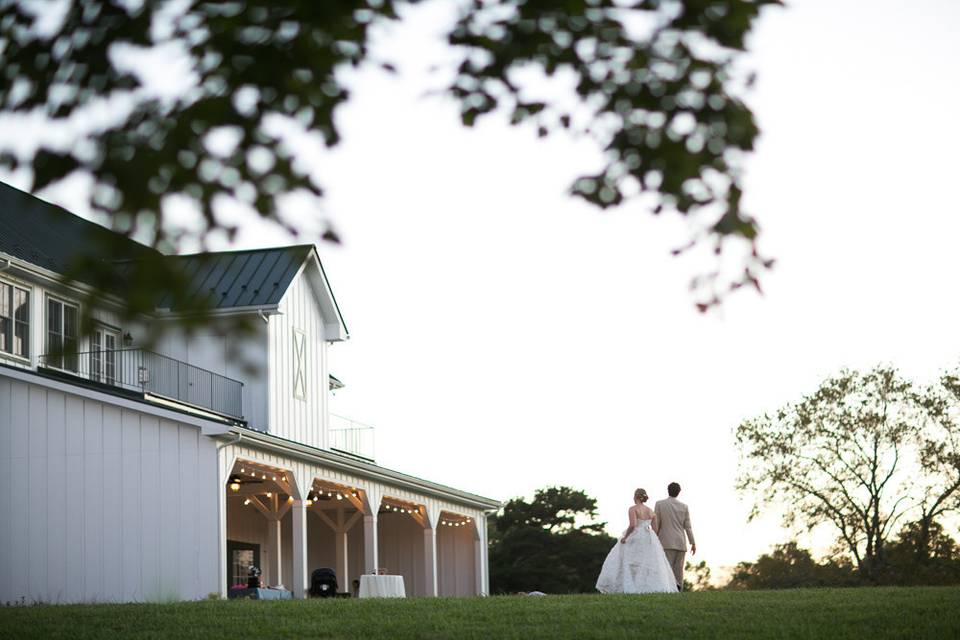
{"x":675,"y":557}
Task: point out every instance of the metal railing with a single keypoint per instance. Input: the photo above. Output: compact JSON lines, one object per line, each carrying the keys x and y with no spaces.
{"x":352,"y":437}
{"x":154,"y":374}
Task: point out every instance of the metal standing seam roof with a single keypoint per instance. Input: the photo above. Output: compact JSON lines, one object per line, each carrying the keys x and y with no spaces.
{"x":50,"y":237}
{"x":229,"y":279}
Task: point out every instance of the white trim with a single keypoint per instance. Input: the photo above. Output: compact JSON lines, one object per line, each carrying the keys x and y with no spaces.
{"x":207,"y":427}
{"x":294,"y":450}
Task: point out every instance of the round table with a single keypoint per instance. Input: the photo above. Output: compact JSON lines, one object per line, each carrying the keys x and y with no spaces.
{"x":374,"y":586}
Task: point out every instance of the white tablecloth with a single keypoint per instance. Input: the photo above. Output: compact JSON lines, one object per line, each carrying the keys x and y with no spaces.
{"x":372,"y":586}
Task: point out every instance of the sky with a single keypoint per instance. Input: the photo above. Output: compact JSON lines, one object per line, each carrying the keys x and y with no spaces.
{"x":505,"y":337}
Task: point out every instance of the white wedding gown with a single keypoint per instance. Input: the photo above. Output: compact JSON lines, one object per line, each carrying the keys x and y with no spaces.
{"x":637,"y":565}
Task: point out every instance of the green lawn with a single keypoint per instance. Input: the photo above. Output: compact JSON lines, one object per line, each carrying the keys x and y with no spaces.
{"x":815,"y":613}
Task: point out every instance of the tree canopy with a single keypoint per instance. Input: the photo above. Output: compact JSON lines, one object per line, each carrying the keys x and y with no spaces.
{"x":656,"y":87}
{"x":865,"y":454}
{"x":552,"y":543}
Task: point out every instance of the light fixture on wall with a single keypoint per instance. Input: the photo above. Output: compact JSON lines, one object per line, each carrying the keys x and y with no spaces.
{"x":235,"y":483}
{"x":127,"y":339}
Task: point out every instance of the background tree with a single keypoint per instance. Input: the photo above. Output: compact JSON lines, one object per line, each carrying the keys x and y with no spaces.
{"x":938,"y":440}
{"x":655,"y":88}
{"x":922,"y":555}
{"x":842,"y":456}
{"x":701,"y":577}
{"x":789,"y":566}
{"x":552,"y":544}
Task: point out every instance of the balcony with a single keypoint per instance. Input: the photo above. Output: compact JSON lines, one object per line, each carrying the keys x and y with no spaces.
{"x":351,"y":437}
{"x":155,"y":376}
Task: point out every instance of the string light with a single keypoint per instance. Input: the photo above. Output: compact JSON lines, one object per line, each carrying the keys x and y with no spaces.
{"x":269,"y":494}
{"x":246,"y":502}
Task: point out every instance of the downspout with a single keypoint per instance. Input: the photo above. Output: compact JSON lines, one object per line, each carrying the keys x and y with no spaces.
{"x":237,"y":438}
{"x":7,"y":265}
{"x":263,"y":316}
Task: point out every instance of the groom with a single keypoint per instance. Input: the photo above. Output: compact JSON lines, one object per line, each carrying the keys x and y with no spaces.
{"x":674,"y":519}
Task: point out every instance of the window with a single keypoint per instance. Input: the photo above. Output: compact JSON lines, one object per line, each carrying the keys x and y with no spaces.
{"x":14,"y":320}
{"x":299,"y":365}
{"x":103,"y":355}
{"x":61,"y":335}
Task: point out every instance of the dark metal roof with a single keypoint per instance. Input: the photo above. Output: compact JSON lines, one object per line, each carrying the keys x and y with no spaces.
{"x":229,"y":279}
{"x":49,"y":236}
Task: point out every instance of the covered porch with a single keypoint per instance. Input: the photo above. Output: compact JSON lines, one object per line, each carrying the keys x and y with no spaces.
{"x":290,"y":516}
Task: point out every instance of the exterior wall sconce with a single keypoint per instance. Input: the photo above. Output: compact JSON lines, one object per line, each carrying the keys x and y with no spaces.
{"x":127,"y":339}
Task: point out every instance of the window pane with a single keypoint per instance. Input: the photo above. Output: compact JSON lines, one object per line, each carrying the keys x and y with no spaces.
{"x":54,"y":318}
{"x":6,"y":321}
{"x":69,"y":353}
{"x":70,"y":322}
{"x":21,"y":330}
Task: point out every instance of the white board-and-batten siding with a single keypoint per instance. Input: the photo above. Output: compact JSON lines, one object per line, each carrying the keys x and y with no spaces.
{"x":290,"y":417}
{"x":102,"y":503}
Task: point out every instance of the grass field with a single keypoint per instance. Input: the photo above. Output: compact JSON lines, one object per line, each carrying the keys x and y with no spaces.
{"x":813,"y":613}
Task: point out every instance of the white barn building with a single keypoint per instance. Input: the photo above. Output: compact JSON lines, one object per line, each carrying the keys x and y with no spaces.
{"x":129,"y":474}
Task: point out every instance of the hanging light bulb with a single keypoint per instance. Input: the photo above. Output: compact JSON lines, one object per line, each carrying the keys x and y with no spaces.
{"x":339,"y":496}
{"x":246,"y":502}
{"x":269,"y":494}
{"x":234,"y":483}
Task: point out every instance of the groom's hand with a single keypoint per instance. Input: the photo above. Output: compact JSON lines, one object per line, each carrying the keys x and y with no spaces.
{"x":693,"y":549}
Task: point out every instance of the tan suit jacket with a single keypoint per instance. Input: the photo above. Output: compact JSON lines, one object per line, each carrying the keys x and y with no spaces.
{"x":674,"y":519}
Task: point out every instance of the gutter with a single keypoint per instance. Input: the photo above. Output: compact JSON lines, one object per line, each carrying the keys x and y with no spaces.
{"x":328,"y":459}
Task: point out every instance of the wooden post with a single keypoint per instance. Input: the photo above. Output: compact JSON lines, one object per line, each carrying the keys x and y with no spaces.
{"x":340,"y":533}
{"x":430,"y":561}
{"x":299,"y":576}
{"x":275,"y":551}
{"x":370,"y":560}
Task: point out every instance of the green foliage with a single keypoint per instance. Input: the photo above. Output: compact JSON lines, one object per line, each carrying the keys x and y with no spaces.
{"x":920,"y":557}
{"x":701,"y":577}
{"x":913,"y":558}
{"x":804,"y":613}
{"x":551,"y":544}
{"x":790,"y":567}
{"x":864,"y":454}
{"x":654,"y":88}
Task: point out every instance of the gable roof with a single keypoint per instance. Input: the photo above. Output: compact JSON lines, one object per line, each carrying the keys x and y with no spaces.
{"x":229,"y":279}
{"x":50,"y":237}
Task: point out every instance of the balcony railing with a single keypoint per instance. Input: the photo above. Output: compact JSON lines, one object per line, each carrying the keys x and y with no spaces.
{"x":155,"y":375}
{"x":351,"y":437}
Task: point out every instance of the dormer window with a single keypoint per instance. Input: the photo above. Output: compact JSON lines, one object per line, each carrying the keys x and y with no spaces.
{"x":14,"y":320}
{"x":62,"y":321}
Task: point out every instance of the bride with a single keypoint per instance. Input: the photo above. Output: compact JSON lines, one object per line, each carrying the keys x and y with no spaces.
{"x":637,"y":564}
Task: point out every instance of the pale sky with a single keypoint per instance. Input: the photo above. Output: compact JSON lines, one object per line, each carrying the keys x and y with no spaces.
{"x":505,"y":337}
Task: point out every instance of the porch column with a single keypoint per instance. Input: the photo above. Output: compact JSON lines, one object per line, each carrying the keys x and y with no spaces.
{"x":480,"y":555}
{"x":299,"y":577}
{"x":370,"y":560}
{"x":275,"y":551}
{"x":342,"y":565}
{"x":430,"y":561}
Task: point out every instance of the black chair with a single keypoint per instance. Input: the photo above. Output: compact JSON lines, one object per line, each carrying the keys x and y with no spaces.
{"x":323,"y":583}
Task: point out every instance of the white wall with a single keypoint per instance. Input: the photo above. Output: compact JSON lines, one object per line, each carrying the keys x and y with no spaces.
{"x":301,"y":420}
{"x":216,"y":349}
{"x":400,"y":542}
{"x":102,"y":504}
{"x":456,"y":574}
